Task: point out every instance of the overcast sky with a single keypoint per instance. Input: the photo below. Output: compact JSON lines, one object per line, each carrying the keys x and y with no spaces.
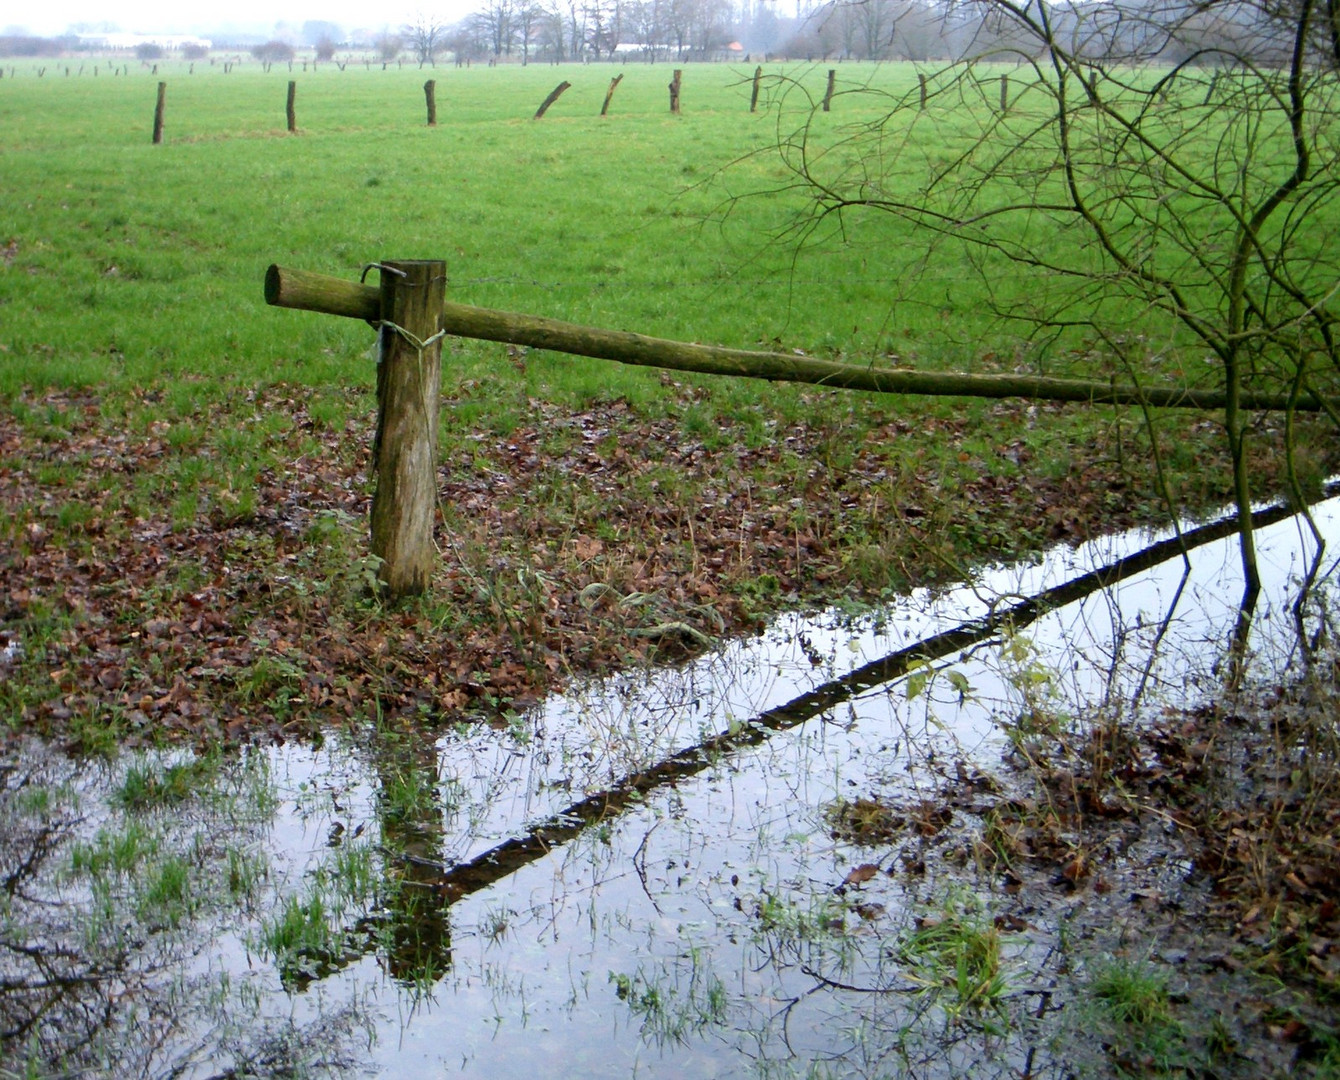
{"x":172,"y":16}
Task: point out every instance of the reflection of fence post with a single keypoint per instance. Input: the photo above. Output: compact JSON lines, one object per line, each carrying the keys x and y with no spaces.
{"x":291,"y":108}
{"x":753,"y":98}
{"x":922,"y":80}
{"x":1004,"y":93}
{"x":828,"y":94}
{"x":430,"y":95}
{"x":610,"y":93}
{"x":553,"y":96}
{"x":158,"y":113}
{"x":674,"y":90}
{"x":404,"y":454}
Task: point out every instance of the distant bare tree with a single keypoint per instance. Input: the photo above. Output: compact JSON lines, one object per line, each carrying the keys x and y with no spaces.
{"x":496,"y":23}
{"x":424,"y":34}
{"x":273,"y":52}
{"x":529,"y":17}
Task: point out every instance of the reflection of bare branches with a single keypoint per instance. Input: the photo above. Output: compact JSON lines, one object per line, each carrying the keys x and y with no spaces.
{"x":640,"y":864}
{"x":1153,"y":652}
{"x":833,"y":984}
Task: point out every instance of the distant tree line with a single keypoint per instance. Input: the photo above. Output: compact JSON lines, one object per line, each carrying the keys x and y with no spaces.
{"x":683,"y":30}
{"x":26,"y":45}
{"x":925,"y":30}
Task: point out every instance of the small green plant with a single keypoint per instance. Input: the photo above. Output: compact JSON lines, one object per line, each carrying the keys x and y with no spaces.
{"x":271,"y":681}
{"x":670,"y":1014}
{"x":921,"y":674}
{"x":119,"y":852}
{"x":165,"y":898}
{"x":350,"y":876}
{"x":409,"y":794}
{"x":149,"y":784}
{"x":824,"y":917}
{"x":299,"y":936}
{"x":1133,"y":992}
{"x":955,"y":955}
{"x":1037,"y":714}
{"x":246,"y":871}
{"x":1135,"y":1004}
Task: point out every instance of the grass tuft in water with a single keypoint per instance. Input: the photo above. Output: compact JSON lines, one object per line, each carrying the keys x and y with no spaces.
{"x":955,"y":954}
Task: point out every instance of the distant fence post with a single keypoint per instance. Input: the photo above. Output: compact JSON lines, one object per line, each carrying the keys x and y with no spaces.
{"x":614,"y":82}
{"x":430,"y":95}
{"x":753,"y":98}
{"x":1004,"y":93}
{"x":674,"y":90}
{"x":291,"y":109}
{"x":404,"y":454}
{"x":158,"y":113}
{"x":922,"y":80}
{"x":553,"y":96}
{"x":828,"y":94}
{"x":1214,"y":85}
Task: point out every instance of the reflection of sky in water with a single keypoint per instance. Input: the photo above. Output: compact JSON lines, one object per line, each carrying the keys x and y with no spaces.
{"x":671,"y":890}
{"x":667,"y":895}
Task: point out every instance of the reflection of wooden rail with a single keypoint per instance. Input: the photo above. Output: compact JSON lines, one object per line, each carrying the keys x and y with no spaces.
{"x":412,"y":314}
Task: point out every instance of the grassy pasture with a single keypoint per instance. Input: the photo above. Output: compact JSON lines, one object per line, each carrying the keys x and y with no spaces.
{"x":132,"y":262}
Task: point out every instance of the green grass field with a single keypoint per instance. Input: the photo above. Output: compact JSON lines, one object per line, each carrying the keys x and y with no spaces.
{"x":126,"y":262}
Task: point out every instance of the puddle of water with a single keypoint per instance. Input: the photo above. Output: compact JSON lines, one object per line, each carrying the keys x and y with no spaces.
{"x":638,"y":879}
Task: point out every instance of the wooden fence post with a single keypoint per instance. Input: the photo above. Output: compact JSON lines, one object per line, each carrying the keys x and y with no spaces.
{"x":158,"y":113}
{"x":753,"y":98}
{"x":1004,"y":94}
{"x":430,"y":95}
{"x":291,"y":109}
{"x":404,"y":454}
{"x":610,"y":93}
{"x":922,"y":80}
{"x":674,"y":90}
{"x":828,"y":94}
{"x":553,"y":96}
{"x":1214,"y":85}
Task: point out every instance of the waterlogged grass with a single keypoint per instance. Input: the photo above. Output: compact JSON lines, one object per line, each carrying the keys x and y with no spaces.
{"x":955,"y":954}
{"x":671,"y":1013}
{"x":150,"y":784}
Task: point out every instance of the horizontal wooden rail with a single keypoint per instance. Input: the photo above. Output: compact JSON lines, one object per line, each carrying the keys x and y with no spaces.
{"x":335,"y":296}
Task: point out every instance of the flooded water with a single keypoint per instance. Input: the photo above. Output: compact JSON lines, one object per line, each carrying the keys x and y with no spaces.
{"x":644,"y":877}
